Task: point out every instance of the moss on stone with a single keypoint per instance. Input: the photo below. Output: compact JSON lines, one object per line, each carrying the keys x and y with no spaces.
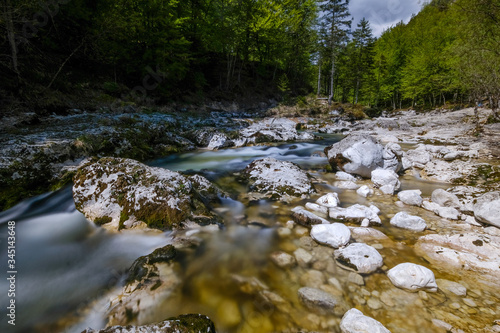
{"x":194,"y":323}
{"x":102,"y":220}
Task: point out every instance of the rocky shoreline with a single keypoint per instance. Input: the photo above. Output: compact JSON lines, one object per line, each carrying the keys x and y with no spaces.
{"x":340,"y":258}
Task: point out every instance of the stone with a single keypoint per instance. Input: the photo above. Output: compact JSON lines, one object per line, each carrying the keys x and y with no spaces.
{"x":335,"y":235}
{"x":307,"y":218}
{"x":356,"y":279}
{"x":445,"y":212}
{"x":445,"y":199}
{"x":272,"y":130}
{"x":356,"y":154}
{"x":340,"y":175}
{"x":317,"y":299}
{"x":228,"y":312}
{"x":374,"y":304}
{"x":346,"y":185}
{"x":219,"y":141}
{"x":312,"y":278}
{"x":366,"y":234}
{"x":122,"y":193}
{"x":283,"y":259}
{"x":354,"y":321}
{"x":409,"y":222}
{"x":317,"y":208}
{"x":365,"y":191}
{"x":359,"y":257}
{"x":329,"y":200}
{"x":278,"y":179}
{"x":181,"y":324}
{"x":303,"y":257}
{"x":386,"y":180}
{"x":469,"y":302}
{"x":487,"y":209}
{"x":411,"y":197}
{"x":452,"y":287}
{"x":412,"y":277}
{"x":415,"y":158}
{"x":356,"y":213}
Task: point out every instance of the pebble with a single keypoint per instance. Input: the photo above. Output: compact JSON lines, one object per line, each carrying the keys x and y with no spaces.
{"x":312,"y":278}
{"x":386,"y":299}
{"x":452,"y":287}
{"x":284,"y":232}
{"x":356,"y":279}
{"x":423,"y":295}
{"x":455,"y":306}
{"x":301,"y":231}
{"x":303,"y":257}
{"x":335,"y":282}
{"x":470,"y":302}
{"x":359,"y":300}
{"x":283,"y":259}
{"x":374,"y":304}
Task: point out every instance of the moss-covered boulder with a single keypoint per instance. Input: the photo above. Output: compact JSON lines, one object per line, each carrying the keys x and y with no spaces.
{"x":279,"y":180}
{"x":190,"y":323}
{"x":122,"y":193}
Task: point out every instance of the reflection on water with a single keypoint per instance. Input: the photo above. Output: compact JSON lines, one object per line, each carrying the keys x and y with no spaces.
{"x":66,"y":262}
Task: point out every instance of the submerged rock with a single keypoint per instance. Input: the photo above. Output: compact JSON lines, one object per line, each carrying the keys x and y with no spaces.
{"x":306,"y":218}
{"x":359,"y":257}
{"x":356,"y":154}
{"x":354,"y":321}
{"x":366,"y":234}
{"x":181,"y":324}
{"x":335,"y":235}
{"x":487,"y":209}
{"x":357,"y":214}
{"x":412,"y":277}
{"x":122,"y":193}
{"x":406,"y":221}
{"x":316,"y":299}
{"x":386,"y":180}
{"x":278,"y":179}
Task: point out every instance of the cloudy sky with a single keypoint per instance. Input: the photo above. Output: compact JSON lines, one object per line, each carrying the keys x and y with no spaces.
{"x":383,"y":13}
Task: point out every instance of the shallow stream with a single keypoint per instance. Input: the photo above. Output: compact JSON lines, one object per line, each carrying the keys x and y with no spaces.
{"x":67,"y":268}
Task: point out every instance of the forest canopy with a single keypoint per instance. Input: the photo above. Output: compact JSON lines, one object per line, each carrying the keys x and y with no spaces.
{"x":449,"y":52}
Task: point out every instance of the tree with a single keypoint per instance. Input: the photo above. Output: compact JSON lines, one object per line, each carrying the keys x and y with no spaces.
{"x":363,"y":43}
{"x":335,"y":27}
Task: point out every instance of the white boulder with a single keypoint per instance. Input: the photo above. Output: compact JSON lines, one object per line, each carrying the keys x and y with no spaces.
{"x":410,"y":222}
{"x":359,"y":257}
{"x":386,"y":180}
{"x":411,"y":197}
{"x":354,"y":321}
{"x":412,"y":277}
{"x":335,"y":235}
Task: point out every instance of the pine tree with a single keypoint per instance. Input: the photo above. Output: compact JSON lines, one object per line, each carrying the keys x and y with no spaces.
{"x":363,"y":41}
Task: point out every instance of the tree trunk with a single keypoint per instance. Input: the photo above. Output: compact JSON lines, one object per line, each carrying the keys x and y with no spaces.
{"x":11,"y":36}
{"x":331,"y":79}
{"x":319,"y":77}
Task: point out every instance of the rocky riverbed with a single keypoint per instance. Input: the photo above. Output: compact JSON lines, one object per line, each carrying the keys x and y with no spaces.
{"x":393,"y":228}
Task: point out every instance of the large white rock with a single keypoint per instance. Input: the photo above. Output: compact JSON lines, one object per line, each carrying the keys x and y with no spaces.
{"x":487,"y":209}
{"x":329,"y":200}
{"x":411,"y":197}
{"x":356,"y":154}
{"x":322,"y":210}
{"x":271,"y":130}
{"x":364,"y":191}
{"x":335,"y":235}
{"x":386,"y":180}
{"x":392,"y":155}
{"x":359,"y":257}
{"x":356,"y":213}
{"x":445,"y":212}
{"x":416,"y":158}
{"x":354,"y":321}
{"x":445,"y":199}
{"x":412,"y":277}
{"x":410,"y":222}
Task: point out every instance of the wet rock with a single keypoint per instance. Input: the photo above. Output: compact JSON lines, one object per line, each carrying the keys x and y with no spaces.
{"x":356,"y":279}
{"x":124,"y":193}
{"x":248,"y":285}
{"x":312,"y":278}
{"x":365,"y":191}
{"x":303,"y":257}
{"x":272,"y":130}
{"x":340,"y":175}
{"x":445,"y":212}
{"x":354,"y":321}
{"x":356,"y":154}
{"x":411,"y":197}
{"x":359,"y":257}
{"x":283,"y":259}
{"x":356,"y":213}
{"x":406,"y":221}
{"x":445,"y":199}
{"x":319,"y":209}
{"x":346,"y":185}
{"x":181,"y":324}
{"x":329,"y":200}
{"x":150,"y":279}
{"x":452,"y":287}
{"x":386,"y":180}
{"x":306,"y":218}
{"x":316,"y":299}
{"x":366,"y":234}
{"x":219,"y":141}
{"x":487,"y":209}
{"x":473,"y":255}
{"x":412,"y":277}
{"x":278,"y":179}
{"x":335,"y":235}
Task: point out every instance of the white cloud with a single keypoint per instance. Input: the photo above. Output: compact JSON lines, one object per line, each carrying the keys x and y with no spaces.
{"x":383,"y":14}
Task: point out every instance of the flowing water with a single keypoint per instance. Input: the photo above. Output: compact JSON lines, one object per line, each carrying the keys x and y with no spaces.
{"x":67,"y":268}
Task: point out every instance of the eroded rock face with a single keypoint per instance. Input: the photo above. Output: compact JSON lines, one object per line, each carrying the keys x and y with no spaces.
{"x":122,"y":193}
{"x":151,"y":279}
{"x":181,"y":324}
{"x":471,"y":254}
{"x":412,"y":277}
{"x":356,"y":154}
{"x":354,"y":321}
{"x":487,"y":209}
{"x":359,"y":257}
{"x":278,"y":179}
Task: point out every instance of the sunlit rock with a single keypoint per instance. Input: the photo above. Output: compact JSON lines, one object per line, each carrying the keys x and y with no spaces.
{"x":365,"y":191}
{"x":329,"y":200}
{"x":306,"y":218}
{"x":359,"y":257}
{"x":386,"y":180}
{"x":406,"y":221}
{"x":412,"y":277}
{"x":334,"y":235}
{"x":411,"y":197}
{"x":354,"y":321}
{"x":487,"y":209}
{"x":445,"y":199}
{"x":356,"y":213}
